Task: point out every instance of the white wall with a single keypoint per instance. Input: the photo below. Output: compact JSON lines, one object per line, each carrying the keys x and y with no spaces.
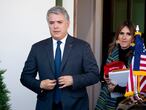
{"x":22,"y":22}
{"x":69,"y":6}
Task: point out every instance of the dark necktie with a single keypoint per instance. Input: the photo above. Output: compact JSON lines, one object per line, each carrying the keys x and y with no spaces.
{"x":57,"y":71}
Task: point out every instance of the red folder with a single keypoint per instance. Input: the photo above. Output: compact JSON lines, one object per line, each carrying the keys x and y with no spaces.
{"x":115,"y":65}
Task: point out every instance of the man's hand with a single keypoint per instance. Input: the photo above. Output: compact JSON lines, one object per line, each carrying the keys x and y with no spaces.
{"x":48,"y":84}
{"x":65,"y":81}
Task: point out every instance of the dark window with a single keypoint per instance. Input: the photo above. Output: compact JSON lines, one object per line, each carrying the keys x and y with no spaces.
{"x":117,"y":11}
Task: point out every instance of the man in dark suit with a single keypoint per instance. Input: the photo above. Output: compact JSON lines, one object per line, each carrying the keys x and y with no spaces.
{"x":62,"y":80}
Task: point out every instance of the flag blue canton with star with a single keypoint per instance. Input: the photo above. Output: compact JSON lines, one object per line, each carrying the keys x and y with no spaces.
{"x":139,"y":50}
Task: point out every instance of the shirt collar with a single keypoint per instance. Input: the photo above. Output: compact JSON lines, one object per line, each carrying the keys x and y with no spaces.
{"x":62,"y":40}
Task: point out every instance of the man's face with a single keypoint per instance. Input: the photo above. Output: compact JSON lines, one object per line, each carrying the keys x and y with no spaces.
{"x":58,"y":25}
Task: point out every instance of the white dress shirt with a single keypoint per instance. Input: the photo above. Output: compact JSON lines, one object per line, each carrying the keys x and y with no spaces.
{"x":62,"y":45}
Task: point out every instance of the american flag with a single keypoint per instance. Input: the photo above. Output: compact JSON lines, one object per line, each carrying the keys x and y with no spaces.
{"x":137,"y":77}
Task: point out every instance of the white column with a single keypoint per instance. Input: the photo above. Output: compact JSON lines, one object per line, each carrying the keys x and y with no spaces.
{"x":69,"y":6}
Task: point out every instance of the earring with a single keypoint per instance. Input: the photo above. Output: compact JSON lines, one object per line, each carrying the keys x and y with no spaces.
{"x":132,"y":44}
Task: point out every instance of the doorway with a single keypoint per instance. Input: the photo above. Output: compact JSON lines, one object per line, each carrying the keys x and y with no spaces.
{"x":117,"y":11}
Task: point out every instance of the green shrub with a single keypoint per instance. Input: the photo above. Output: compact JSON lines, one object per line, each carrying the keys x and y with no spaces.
{"x":4,"y":98}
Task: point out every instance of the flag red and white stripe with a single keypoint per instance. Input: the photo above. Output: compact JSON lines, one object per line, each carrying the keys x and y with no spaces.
{"x":142,"y":77}
{"x":131,"y":84}
{"x":137,"y":76}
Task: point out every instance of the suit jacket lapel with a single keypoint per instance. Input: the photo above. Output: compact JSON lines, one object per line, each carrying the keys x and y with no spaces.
{"x":49,"y":49}
{"x":67,"y":50}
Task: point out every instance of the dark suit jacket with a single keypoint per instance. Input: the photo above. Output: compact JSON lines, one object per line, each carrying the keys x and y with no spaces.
{"x":78,"y":61}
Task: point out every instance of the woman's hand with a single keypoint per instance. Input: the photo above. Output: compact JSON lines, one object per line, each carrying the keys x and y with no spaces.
{"x":107,"y":80}
{"x":111,"y":87}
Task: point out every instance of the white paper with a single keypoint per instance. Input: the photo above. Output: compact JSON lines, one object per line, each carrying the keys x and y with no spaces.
{"x":120,"y":78}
